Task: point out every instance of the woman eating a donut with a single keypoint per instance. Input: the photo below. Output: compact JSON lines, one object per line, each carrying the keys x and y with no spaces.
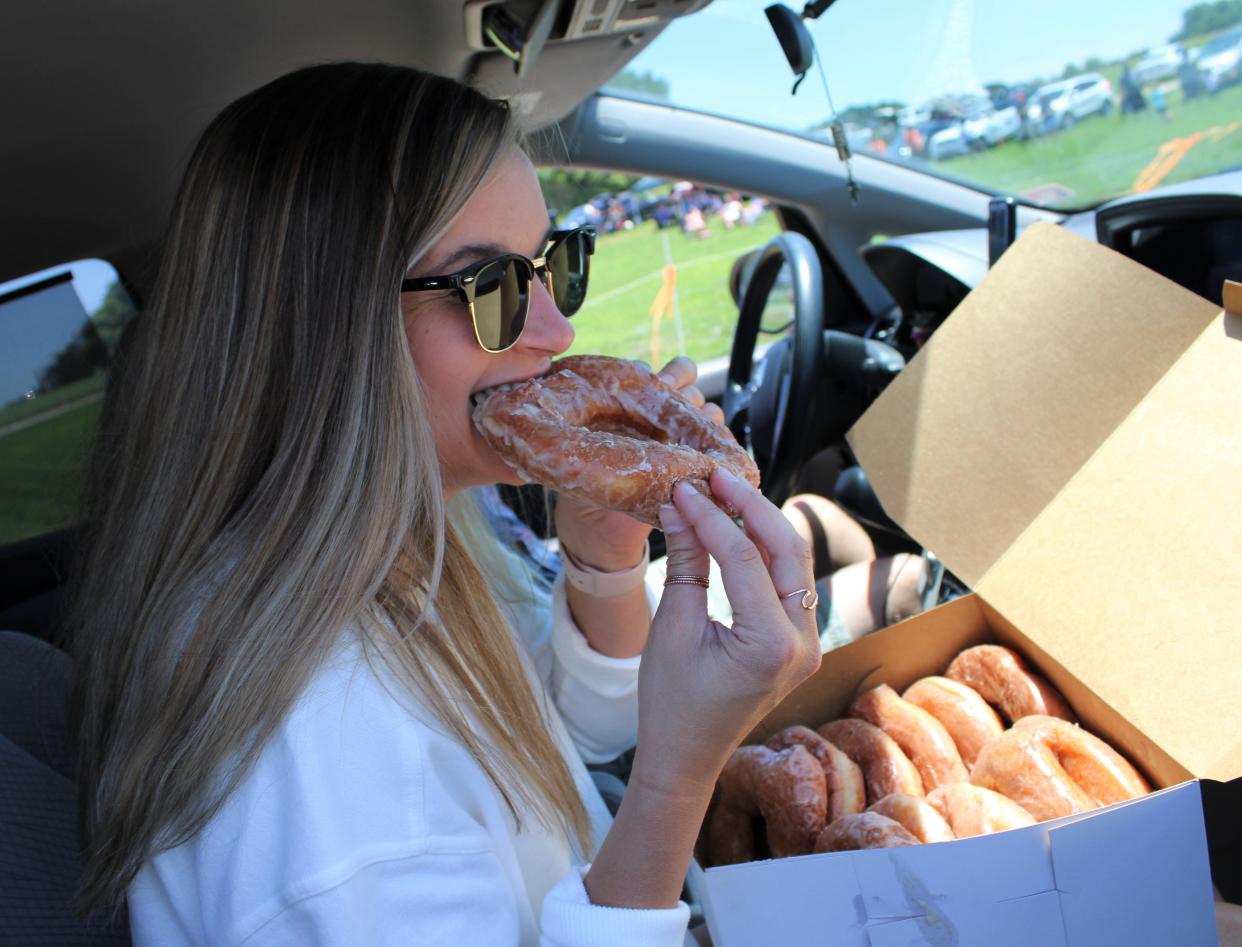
{"x":319,"y":700}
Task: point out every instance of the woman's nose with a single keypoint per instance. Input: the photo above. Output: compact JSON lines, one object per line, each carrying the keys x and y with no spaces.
{"x":547,"y":330}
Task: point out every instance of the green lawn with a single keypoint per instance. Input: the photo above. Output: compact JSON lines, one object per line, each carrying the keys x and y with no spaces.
{"x":627,"y":275}
{"x":20,"y":410}
{"x":41,"y":470}
{"x":1102,"y":157}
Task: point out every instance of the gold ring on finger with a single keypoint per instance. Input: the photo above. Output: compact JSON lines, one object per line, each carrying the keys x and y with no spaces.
{"x":810,"y":597}
{"x":698,"y":580}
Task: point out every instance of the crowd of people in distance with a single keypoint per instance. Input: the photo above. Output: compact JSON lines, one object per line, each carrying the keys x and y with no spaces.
{"x":692,"y":208}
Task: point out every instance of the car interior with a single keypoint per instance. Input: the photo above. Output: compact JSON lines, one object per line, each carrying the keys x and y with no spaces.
{"x":104,"y":103}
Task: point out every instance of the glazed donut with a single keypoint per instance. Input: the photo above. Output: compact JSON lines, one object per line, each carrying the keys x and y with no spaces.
{"x":1001,"y":678}
{"x":608,"y":431}
{"x":1019,"y":765}
{"x":919,"y":818}
{"x":1099,"y":770}
{"x":886,"y":769}
{"x":863,"y":830}
{"x":970,"y":720}
{"x":973,"y":810}
{"x":847,"y":793}
{"x":785,"y":787}
{"x":921,"y":736}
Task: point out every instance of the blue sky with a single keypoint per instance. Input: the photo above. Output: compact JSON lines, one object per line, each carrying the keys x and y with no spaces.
{"x":905,"y":50}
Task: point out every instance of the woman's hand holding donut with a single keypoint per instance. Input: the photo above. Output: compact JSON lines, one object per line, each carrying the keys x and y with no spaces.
{"x":682,"y":374}
{"x":704,"y":685}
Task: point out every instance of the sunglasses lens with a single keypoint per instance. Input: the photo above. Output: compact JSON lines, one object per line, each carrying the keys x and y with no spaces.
{"x":501,"y":297}
{"x":569,"y":266}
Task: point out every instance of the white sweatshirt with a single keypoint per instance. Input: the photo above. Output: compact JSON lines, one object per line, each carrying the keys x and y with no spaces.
{"x":363,"y":823}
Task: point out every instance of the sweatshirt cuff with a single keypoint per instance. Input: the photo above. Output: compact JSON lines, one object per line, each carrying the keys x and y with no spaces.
{"x":607,"y":676}
{"x":569,"y":919}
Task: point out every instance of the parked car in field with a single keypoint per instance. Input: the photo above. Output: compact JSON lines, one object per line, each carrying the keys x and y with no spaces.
{"x":973,"y":128}
{"x":949,"y":142}
{"x":1060,"y":104}
{"x":1158,"y":63}
{"x":1220,"y":61}
{"x":995,"y":126}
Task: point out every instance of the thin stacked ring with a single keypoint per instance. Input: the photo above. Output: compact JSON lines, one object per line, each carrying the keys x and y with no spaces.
{"x":698,"y":580}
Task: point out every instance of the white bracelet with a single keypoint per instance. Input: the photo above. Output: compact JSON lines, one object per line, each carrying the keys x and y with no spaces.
{"x":605,"y":584}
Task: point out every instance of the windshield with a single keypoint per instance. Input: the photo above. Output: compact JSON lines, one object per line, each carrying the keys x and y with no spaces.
{"x":1064,"y":105}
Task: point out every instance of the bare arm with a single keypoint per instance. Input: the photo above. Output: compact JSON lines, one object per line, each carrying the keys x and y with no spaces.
{"x":703,"y":686}
{"x":615,"y":625}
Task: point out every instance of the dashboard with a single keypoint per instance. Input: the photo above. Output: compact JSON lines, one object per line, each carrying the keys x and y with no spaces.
{"x":1190,"y":233}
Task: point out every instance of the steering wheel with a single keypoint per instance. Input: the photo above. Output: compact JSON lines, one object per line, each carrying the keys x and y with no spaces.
{"x":769,"y":405}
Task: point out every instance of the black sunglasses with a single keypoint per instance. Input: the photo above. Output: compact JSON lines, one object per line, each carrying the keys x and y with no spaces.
{"x":497,"y":291}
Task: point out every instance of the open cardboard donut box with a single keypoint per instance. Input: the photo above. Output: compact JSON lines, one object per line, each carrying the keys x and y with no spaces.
{"x":1070,"y":444}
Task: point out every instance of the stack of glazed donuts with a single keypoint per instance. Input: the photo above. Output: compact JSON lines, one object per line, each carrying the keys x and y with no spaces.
{"x":933,"y":764}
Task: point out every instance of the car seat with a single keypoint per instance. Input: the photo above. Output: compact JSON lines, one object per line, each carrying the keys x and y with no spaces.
{"x":40,"y":861}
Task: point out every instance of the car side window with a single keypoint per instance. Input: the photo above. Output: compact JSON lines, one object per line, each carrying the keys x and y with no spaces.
{"x":660,"y":277}
{"x":59,"y":330}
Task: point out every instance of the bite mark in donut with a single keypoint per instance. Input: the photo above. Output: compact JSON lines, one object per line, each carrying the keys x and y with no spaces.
{"x":610,"y":432}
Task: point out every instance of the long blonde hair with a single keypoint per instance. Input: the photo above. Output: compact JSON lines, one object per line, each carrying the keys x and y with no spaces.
{"x":266,"y":476}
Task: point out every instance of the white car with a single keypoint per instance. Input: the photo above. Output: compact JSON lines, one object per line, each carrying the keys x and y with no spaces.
{"x":996,"y":126}
{"x":1220,"y":61}
{"x":1060,"y":104}
{"x":951,"y":142}
{"x":1159,"y":62}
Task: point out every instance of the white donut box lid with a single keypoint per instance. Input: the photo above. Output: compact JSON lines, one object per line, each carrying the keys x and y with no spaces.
{"x":1069,"y":443}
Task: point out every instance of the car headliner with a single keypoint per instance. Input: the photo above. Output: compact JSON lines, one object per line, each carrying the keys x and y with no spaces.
{"x":103,"y":101}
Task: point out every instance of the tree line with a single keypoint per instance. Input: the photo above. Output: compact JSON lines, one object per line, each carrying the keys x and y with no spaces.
{"x":1208,"y":18}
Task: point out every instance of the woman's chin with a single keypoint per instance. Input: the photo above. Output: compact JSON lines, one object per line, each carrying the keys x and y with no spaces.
{"x":511,"y":477}
{"x":498,"y":471}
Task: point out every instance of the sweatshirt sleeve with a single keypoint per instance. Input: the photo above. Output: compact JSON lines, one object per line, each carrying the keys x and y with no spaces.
{"x":436,"y":899}
{"x":569,"y":918}
{"x":597,"y":695}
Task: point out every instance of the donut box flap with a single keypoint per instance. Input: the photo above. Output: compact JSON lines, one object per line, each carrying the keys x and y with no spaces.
{"x":1070,"y":443}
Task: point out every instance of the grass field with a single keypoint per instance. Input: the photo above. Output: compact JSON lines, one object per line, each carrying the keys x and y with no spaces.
{"x":18,"y":411}
{"x":1103,"y":157}
{"x":41,"y":472}
{"x":627,"y":276}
